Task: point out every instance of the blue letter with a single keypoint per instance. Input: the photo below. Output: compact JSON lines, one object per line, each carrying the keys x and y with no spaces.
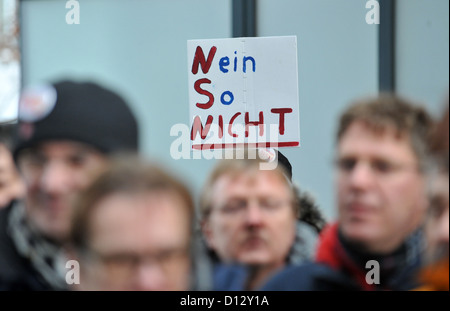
{"x":222,"y":98}
{"x":224,"y":61}
{"x":245,"y":64}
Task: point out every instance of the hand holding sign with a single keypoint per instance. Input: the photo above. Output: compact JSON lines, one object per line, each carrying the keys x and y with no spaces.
{"x":243,"y":91}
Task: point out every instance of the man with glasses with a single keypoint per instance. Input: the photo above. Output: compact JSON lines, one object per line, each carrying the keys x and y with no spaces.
{"x":132,"y":230}
{"x":377,"y":241}
{"x":250,"y":223}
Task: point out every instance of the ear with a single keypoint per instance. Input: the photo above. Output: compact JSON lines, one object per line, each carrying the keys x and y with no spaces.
{"x":207,"y":232}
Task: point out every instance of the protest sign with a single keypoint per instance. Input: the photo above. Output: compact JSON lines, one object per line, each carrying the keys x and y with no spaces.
{"x":243,"y":92}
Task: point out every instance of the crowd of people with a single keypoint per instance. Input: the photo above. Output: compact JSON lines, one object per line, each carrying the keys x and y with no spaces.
{"x":74,"y":188}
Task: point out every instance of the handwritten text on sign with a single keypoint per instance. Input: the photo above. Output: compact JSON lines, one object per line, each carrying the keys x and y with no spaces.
{"x":243,"y":91}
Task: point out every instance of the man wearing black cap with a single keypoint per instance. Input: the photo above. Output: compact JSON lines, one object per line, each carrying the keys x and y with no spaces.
{"x":65,"y":135}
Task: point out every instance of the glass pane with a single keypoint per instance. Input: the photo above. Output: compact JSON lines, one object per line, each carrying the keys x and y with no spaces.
{"x":136,"y":47}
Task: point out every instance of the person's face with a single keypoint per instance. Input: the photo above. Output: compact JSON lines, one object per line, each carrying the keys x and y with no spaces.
{"x":252,"y":220}
{"x":138,"y":242}
{"x":437,"y":225}
{"x":380,"y":189}
{"x":54,"y":173}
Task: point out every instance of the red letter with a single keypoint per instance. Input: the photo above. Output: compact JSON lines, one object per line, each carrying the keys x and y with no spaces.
{"x":220,"y":126}
{"x":231,"y":123}
{"x":198,"y":127}
{"x":204,"y":92}
{"x":281,"y":111}
{"x":199,"y":58}
{"x":260,"y":123}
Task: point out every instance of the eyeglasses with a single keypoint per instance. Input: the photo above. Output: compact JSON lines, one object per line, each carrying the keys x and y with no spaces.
{"x":236,"y":207}
{"x":123,"y":265}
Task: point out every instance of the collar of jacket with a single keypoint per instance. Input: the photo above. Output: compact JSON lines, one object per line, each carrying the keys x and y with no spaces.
{"x":395,"y":268}
{"x":46,"y":257}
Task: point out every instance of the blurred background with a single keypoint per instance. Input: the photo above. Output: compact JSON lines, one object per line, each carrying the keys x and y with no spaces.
{"x":138,"y":48}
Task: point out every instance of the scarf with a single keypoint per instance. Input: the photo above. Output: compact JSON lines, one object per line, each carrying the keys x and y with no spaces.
{"x":397,"y":269}
{"x":45,"y":257}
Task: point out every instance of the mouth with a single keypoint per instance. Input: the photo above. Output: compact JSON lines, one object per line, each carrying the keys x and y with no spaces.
{"x":359,"y":209}
{"x":253,"y":242}
{"x":54,"y":206}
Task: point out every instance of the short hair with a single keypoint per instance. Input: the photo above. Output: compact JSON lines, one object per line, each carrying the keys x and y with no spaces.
{"x":124,"y":174}
{"x":388,"y":111}
{"x":235,"y":167}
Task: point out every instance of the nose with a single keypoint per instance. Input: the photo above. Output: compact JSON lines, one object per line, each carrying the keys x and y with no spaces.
{"x":361,"y":176}
{"x":253,"y":215}
{"x":149,"y":277}
{"x":55,"y":178}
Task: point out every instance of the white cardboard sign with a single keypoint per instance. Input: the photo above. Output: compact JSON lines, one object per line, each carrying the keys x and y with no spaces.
{"x":9,"y":91}
{"x":243,"y":92}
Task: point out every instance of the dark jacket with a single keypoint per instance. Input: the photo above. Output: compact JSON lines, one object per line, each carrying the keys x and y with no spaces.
{"x":339,"y":266}
{"x":310,"y":276}
{"x":233,"y":277}
{"x":17,"y":272}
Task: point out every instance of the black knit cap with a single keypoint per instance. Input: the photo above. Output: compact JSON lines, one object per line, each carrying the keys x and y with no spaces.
{"x":270,"y":154}
{"x":285,"y":163}
{"x":83,"y":112}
